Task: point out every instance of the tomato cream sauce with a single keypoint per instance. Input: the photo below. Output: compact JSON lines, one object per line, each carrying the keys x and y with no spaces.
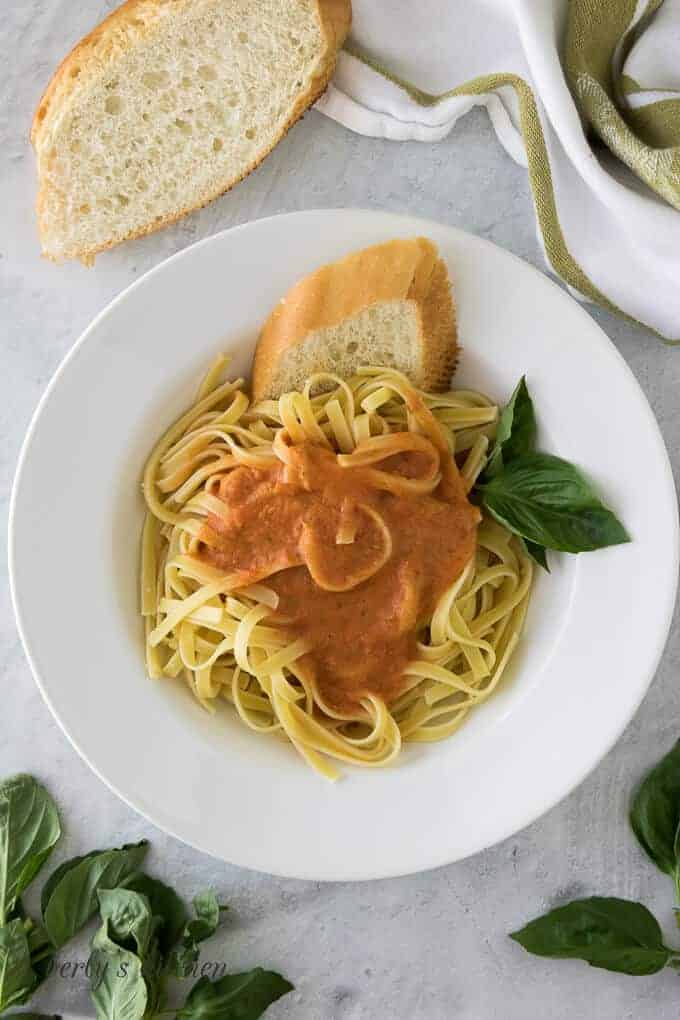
{"x":358,"y":569}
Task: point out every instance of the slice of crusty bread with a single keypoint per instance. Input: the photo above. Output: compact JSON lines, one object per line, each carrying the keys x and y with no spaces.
{"x":169,"y":103}
{"x":386,"y":305}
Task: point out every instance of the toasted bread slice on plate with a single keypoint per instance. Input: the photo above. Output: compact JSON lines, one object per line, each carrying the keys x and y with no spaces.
{"x":390,"y":304}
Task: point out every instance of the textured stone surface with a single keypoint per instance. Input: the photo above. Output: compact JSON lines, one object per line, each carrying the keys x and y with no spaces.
{"x":430,"y":947}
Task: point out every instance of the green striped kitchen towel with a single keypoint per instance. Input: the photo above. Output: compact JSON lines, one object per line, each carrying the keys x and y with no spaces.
{"x":584,"y":93}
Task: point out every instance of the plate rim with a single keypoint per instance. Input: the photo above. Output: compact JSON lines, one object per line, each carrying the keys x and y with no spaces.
{"x":422,"y":223}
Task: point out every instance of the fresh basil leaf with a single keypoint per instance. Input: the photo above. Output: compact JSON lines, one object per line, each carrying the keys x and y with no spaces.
{"x":17,"y":978}
{"x":73,"y":897}
{"x":56,"y":876}
{"x":184,"y":956}
{"x":547,"y":501}
{"x":606,"y":932}
{"x":128,"y":918}
{"x":516,"y":431}
{"x":655,"y":812}
{"x":234,"y":997}
{"x":165,"y":904}
{"x":29,"y":829}
{"x":118,"y":990}
{"x":537,"y":553}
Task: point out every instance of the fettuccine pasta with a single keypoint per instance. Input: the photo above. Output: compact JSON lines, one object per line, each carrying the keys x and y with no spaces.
{"x":343,"y":464}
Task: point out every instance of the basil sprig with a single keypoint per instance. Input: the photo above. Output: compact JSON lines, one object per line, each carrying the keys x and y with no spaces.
{"x":145,"y":933}
{"x":543,"y":499}
{"x":132,"y":953}
{"x":618,"y":934}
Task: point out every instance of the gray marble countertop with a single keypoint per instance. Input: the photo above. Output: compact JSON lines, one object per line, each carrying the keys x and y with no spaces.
{"x":432,"y":946}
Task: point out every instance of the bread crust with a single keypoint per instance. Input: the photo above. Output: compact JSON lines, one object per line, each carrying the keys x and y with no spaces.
{"x":410,"y":270}
{"x":440,"y":329}
{"x":335,"y":18}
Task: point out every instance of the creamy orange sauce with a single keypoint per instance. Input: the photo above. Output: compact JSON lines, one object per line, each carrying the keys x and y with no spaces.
{"x":283,"y":522}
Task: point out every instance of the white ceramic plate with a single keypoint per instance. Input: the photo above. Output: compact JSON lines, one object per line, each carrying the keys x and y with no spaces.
{"x":595,"y":630}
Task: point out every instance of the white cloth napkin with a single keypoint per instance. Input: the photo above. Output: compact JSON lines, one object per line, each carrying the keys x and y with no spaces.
{"x":607,"y":234}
